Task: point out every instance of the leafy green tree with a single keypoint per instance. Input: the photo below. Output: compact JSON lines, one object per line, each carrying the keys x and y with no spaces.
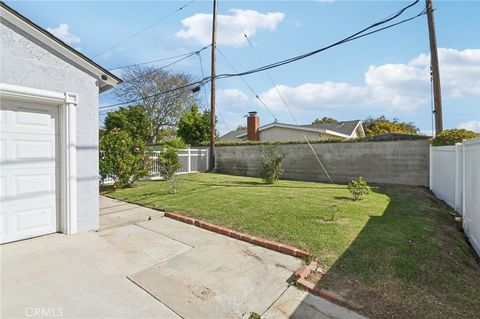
{"x":168,"y":164}
{"x":132,"y":119}
{"x":122,"y":158}
{"x":194,"y":127}
{"x":323,"y":120}
{"x":452,"y":136}
{"x":382,"y":125}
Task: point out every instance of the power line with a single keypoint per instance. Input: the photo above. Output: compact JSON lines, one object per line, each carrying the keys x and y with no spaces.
{"x":283,"y":62}
{"x":352,"y":37}
{"x":206,"y":95}
{"x":248,"y":85}
{"x":198,"y":83}
{"x":158,"y":60}
{"x":291,"y":113}
{"x":170,"y":64}
{"x":145,"y":28}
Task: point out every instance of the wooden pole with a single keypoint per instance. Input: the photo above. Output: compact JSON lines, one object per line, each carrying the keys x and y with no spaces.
{"x":437,"y":92}
{"x":213,"y":87}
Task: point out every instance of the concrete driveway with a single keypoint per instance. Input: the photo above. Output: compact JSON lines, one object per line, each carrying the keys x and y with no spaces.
{"x":141,"y":265}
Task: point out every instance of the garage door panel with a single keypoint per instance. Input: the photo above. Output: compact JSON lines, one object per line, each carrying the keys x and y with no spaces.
{"x":20,"y":147}
{"x":22,"y":117}
{"x":34,"y":150}
{"x":29,"y":170}
{"x":32,"y":218}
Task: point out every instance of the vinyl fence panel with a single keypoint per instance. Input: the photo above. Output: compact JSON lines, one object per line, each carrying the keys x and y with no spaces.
{"x":193,"y":160}
{"x":442,"y":173}
{"x":471,"y":192}
{"x":455,"y":178}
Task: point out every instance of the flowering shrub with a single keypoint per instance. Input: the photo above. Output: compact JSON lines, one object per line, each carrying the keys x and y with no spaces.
{"x":169,"y":164}
{"x":123,"y":159}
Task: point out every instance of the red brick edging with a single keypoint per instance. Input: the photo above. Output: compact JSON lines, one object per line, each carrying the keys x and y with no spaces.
{"x":289,"y":250}
{"x":301,"y":276}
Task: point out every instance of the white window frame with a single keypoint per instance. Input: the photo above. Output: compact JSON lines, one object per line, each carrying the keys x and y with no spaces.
{"x":67,"y":103}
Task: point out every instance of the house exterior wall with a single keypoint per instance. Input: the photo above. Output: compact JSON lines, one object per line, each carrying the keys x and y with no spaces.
{"x":24,"y":61}
{"x":287,"y":134}
{"x":393,"y":162}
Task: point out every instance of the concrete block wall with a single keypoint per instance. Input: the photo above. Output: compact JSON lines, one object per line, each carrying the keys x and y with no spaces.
{"x":393,"y":162}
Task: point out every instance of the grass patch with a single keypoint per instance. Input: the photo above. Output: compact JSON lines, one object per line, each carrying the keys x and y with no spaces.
{"x":398,"y":252}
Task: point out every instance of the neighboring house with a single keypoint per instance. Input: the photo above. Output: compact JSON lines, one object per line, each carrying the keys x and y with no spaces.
{"x":288,"y":132}
{"x":49,"y":95}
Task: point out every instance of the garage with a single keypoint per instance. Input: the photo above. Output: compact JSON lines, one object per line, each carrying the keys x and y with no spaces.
{"x":49,"y":98}
{"x":30,"y":169}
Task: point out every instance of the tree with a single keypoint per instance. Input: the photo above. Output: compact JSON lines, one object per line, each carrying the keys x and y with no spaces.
{"x":194,"y":127}
{"x":382,"y":125}
{"x":122,"y":158}
{"x":324,"y":120}
{"x":132,"y":119}
{"x":150,"y":84}
{"x":452,"y":136}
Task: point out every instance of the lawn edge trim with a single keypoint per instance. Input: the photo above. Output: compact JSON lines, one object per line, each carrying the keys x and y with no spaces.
{"x":258,"y":241}
{"x":301,"y":276}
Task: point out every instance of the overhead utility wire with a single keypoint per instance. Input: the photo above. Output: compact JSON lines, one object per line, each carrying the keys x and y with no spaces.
{"x":145,"y":28}
{"x":172,"y":63}
{"x":248,"y":85}
{"x":290,"y":111}
{"x":154,"y":61}
{"x":206,"y":95}
{"x":352,"y":37}
{"x":271,"y":66}
{"x":196,"y":83}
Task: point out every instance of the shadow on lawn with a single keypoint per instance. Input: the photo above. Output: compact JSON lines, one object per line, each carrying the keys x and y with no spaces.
{"x":411,"y":262}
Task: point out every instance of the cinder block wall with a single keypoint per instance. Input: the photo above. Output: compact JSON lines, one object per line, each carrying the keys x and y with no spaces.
{"x":394,"y":162}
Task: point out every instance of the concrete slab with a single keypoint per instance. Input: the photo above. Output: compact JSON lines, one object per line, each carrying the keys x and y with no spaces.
{"x":78,"y":276}
{"x":298,"y":304}
{"x":220,"y":278}
{"x":114,"y":213}
{"x":140,"y":265}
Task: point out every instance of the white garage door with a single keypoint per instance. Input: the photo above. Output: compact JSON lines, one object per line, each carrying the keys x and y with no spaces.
{"x":29,"y":169}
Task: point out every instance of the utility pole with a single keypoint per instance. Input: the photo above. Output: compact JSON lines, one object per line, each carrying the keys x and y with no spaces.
{"x":435,"y":72}
{"x":213,"y":86}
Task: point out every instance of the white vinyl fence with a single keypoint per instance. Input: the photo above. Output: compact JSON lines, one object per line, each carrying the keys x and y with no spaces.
{"x":455,"y":178}
{"x":193,"y":160}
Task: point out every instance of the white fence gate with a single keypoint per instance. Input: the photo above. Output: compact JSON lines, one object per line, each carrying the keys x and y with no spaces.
{"x":455,"y":178}
{"x":193,"y":160}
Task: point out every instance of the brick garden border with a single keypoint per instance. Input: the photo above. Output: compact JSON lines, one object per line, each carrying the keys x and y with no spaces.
{"x":285,"y":249}
{"x":300,"y":275}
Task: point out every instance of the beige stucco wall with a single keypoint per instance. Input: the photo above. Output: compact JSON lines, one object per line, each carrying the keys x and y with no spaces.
{"x":287,"y":134}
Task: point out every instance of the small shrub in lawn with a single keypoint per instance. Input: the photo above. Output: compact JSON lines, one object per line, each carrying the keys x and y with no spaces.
{"x":272,"y":160}
{"x":168,"y":165}
{"x":359,"y":188}
{"x":124,"y":159}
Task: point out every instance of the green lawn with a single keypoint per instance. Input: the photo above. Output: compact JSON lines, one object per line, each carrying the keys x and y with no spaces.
{"x":399,"y":253}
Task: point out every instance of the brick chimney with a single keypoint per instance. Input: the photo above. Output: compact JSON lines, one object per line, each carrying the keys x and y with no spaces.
{"x":253,"y":123}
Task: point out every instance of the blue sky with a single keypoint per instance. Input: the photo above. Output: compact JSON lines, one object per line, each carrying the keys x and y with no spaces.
{"x":386,"y":73}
